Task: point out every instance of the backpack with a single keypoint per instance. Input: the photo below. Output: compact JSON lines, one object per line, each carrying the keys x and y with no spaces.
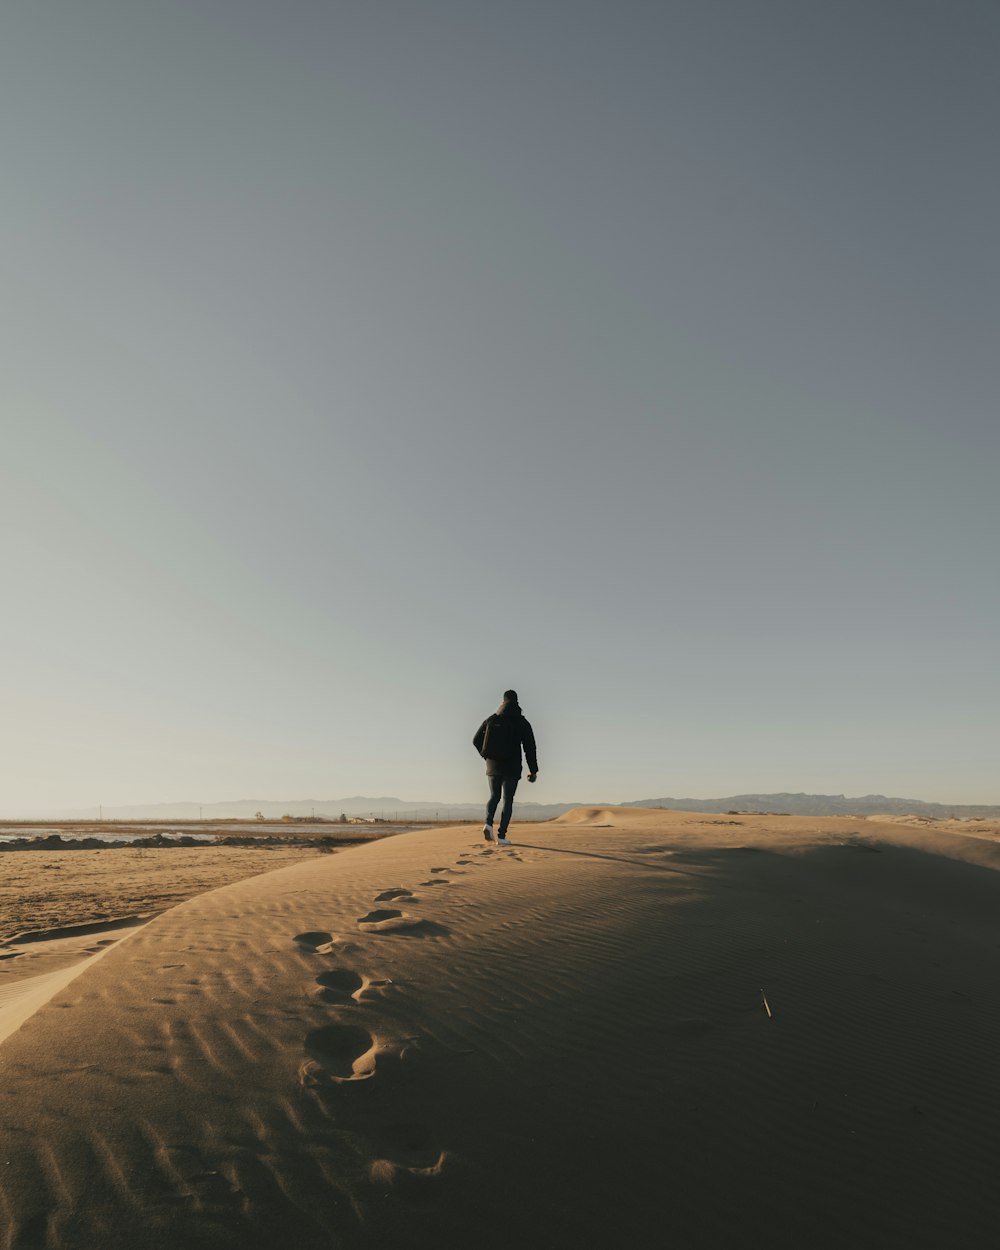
{"x":502,"y":739}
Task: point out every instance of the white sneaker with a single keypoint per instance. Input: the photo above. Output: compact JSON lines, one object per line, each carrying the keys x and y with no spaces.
{"x":502,"y":842}
{"x":488,"y":832}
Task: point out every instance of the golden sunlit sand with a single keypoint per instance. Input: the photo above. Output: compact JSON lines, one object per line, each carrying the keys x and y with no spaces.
{"x":428,"y":1041}
{"x":59,"y":906}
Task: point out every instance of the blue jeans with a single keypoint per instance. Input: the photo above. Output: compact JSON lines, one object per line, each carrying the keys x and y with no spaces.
{"x":506,"y":786}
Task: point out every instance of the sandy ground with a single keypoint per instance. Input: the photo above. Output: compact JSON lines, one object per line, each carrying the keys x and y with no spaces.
{"x":640,"y":1028}
{"x":44,"y":893}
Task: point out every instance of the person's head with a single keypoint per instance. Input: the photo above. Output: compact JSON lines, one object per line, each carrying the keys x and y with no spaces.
{"x":510,"y":696}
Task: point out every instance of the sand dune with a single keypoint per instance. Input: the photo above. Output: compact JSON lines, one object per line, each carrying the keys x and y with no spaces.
{"x":48,"y":890}
{"x":431,"y":1042}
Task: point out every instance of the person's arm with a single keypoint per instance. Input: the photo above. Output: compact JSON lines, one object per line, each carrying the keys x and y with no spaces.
{"x":528,"y":740}
{"x":480,"y":737}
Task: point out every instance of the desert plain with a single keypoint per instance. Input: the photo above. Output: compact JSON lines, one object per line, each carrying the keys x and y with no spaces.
{"x":631,"y":1027}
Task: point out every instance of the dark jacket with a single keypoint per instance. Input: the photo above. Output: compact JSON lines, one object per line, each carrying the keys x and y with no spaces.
{"x":515,"y":732}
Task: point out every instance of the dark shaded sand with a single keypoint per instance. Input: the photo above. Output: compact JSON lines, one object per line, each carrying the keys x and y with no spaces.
{"x":563,"y":1044}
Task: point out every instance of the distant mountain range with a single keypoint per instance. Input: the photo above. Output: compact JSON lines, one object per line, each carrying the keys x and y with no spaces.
{"x":394,"y":809}
{"x":825,"y":805}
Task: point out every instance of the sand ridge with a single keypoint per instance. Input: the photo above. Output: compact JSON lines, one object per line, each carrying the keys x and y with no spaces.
{"x":428,"y":1041}
{"x":20,"y":999}
{"x":51,"y":889}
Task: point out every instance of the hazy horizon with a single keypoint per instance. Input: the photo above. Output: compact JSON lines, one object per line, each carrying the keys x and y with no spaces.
{"x":361,"y":362}
{"x":405,"y":803}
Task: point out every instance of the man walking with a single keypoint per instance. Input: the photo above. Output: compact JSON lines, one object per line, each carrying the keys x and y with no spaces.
{"x":499,"y":740}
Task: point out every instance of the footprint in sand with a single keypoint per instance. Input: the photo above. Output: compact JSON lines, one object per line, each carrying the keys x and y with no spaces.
{"x":338,"y":1053}
{"x":411,"y":1184}
{"x":389,"y":921}
{"x":340,"y":985}
{"x":408,"y":1145}
{"x":344,"y":986}
{"x":319,"y":942}
{"x":388,"y":895}
{"x":408,"y":1159}
{"x":379,"y":917}
{"x":214,"y":1188}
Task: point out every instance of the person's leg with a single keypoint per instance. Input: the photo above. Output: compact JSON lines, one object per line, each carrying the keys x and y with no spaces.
{"x":496,"y":786}
{"x":509,"y":786}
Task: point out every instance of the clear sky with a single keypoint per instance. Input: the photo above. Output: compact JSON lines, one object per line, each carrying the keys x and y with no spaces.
{"x":361,"y":360}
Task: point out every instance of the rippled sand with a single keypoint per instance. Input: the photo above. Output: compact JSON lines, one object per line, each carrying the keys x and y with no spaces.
{"x":640,"y":1028}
